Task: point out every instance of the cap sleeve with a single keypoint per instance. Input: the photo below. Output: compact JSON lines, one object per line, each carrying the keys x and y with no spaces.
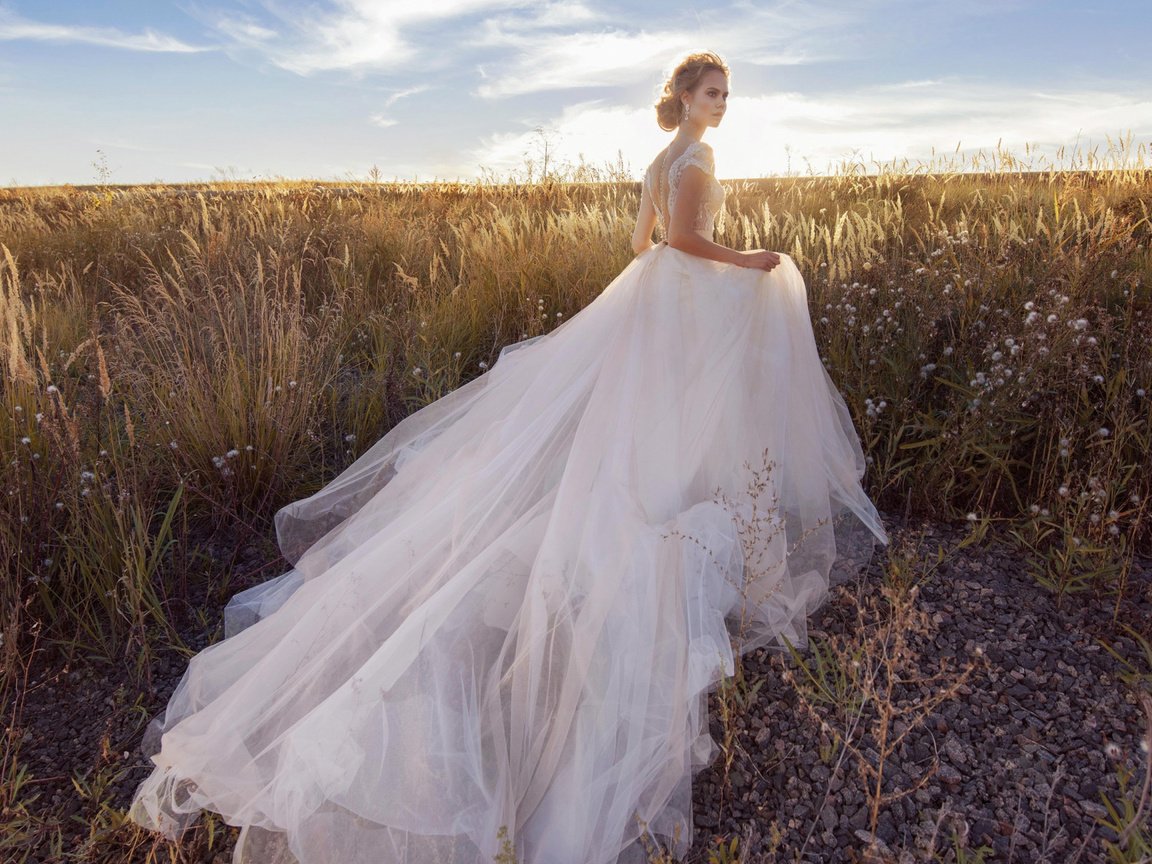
{"x":698,"y":154}
{"x":702,"y":157}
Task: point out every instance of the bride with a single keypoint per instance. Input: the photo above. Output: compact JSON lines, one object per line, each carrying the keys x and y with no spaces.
{"x":503,"y":620}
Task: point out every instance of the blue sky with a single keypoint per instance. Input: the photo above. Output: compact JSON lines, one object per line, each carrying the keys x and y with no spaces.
{"x":424,"y":89}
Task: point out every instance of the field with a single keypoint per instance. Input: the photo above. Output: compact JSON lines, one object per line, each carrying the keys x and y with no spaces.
{"x":180,"y":362}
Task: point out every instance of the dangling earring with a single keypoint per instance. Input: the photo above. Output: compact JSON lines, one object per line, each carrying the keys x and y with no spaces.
{"x":684,"y":112}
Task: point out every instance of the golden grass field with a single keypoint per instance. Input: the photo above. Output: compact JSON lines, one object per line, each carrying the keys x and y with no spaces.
{"x":181,"y":361}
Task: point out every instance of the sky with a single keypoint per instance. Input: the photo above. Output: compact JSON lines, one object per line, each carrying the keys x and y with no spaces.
{"x":142,"y":91}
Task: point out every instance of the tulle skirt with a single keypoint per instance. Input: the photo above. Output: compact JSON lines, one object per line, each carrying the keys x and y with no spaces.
{"x":503,"y":620}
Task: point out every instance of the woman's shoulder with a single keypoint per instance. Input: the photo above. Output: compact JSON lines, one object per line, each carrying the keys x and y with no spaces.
{"x":699,"y":153}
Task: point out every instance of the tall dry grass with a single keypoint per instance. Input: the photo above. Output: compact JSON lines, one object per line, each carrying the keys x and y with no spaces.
{"x":180,"y":362}
{"x":237,"y":345}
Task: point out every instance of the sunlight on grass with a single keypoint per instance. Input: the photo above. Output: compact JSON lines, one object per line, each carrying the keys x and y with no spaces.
{"x":180,"y":361}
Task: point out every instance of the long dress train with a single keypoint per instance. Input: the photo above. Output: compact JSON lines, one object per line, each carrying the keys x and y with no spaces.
{"x":503,"y":620}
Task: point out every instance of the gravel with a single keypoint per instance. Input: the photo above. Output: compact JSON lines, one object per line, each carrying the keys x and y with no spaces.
{"x":1020,"y":748}
{"x":1016,"y":758}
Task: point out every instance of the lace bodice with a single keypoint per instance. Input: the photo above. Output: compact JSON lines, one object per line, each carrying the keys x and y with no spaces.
{"x":663,"y":180}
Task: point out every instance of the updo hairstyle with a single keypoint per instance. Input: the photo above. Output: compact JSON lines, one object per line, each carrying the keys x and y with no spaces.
{"x":685,"y":77}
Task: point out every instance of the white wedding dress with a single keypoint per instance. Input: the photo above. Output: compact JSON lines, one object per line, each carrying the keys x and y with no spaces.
{"x":509,"y":611}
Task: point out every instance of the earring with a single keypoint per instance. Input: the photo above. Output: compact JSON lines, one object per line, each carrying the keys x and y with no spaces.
{"x":684,"y":112}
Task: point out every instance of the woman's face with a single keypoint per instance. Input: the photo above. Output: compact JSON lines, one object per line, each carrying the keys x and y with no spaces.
{"x":709,"y":101}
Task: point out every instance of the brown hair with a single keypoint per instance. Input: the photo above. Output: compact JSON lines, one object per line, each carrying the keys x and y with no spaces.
{"x":684,"y":77}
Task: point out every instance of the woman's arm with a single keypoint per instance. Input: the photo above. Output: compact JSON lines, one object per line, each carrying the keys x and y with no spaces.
{"x":680,"y":232}
{"x":645,"y":222}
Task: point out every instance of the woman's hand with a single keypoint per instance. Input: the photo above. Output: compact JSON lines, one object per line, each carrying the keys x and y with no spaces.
{"x":759,"y":259}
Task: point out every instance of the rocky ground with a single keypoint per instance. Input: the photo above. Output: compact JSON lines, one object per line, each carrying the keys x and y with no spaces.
{"x":1015,"y":760}
{"x":1021,"y":753}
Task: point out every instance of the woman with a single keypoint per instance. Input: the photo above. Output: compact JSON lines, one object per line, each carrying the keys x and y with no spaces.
{"x":504,"y":618}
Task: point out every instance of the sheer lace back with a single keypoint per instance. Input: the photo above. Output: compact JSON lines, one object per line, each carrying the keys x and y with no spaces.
{"x":663,"y":181}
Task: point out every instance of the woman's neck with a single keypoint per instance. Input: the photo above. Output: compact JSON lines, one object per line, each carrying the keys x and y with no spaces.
{"x":687,"y":135}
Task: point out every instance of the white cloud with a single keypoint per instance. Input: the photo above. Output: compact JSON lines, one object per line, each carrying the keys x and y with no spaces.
{"x":402,"y":94}
{"x":630,"y":52}
{"x":931,"y":120}
{"x":245,"y":30}
{"x":873,"y":125}
{"x":385,"y":121}
{"x":538,"y":45}
{"x":567,"y":60}
{"x":348,"y":35}
{"x":13,"y":28}
{"x":540,"y":16}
